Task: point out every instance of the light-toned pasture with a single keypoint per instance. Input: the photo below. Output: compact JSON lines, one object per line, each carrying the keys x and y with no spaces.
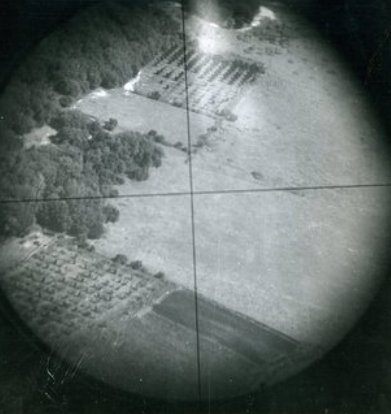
{"x":155,"y":230}
{"x":138,"y":113}
{"x":304,"y":123}
{"x":303,"y":262}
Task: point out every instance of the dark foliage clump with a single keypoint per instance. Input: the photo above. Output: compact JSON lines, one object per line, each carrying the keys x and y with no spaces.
{"x":74,"y":176}
{"x":159,"y":275}
{"x":136,"y":265}
{"x":120,"y":259}
{"x":154,"y":95}
{"x":102,"y":47}
{"x":110,"y":125}
{"x":156,"y":137}
{"x":111,"y":213}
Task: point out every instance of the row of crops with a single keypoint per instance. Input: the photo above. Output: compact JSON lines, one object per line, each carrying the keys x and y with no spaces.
{"x":211,"y":80}
{"x":171,"y":63}
{"x":56,"y":293}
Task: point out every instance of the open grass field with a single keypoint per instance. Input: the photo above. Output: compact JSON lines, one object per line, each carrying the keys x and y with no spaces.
{"x":303,"y":263}
{"x":277,"y":258}
{"x":138,"y":113}
{"x":155,"y":230}
{"x":280,"y":274}
{"x":286,"y":259}
{"x":303,"y":122}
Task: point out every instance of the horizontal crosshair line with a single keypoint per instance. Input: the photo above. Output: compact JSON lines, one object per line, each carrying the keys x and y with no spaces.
{"x":196,"y":193}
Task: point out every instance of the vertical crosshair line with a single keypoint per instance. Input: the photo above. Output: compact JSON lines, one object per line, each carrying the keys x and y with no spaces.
{"x":191,"y":199}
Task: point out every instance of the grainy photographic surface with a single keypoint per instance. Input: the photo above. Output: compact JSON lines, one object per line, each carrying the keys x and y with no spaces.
{"x":194,"y":208}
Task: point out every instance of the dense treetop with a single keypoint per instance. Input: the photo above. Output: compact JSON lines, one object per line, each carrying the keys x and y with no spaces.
{"x":104,"y":46}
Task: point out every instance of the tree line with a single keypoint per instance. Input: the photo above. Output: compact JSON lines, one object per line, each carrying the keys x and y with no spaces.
{"x":104,"y":46}
{"x":73,"y":176}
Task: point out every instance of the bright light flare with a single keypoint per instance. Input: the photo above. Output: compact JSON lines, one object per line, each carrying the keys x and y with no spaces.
{"x":129,"y":87}
{"x":211,"y":38}
{"x":263,"y":13}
